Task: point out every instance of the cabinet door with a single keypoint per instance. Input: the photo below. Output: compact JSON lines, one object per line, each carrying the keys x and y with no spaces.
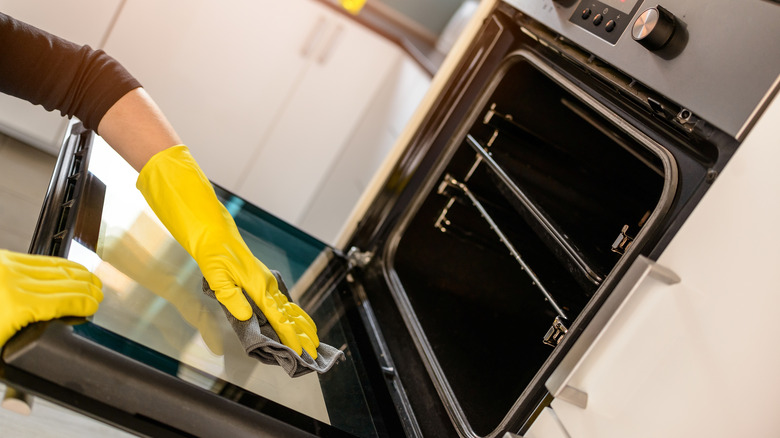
{"x":368,"y":146}
{"x":696,"y":358}
{"x":345,"y":74}
{"x":80,"y":21}
{"x":220,"y":70}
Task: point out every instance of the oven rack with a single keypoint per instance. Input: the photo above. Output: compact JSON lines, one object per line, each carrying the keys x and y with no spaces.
{"x":536,"y":218}
{"x":442,"y":223}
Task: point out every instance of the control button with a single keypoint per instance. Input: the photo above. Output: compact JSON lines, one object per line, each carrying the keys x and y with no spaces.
{"x":610,"y":26}
{"x":585,"y":13}
{"x":654,"y":28}
{"x":597,"y":19}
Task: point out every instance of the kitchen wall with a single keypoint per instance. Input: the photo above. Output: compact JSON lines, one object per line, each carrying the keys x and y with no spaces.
{"x":432,"y":15}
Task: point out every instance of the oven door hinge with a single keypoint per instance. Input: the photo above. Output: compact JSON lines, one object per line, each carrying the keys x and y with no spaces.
{"x":556,"y":333}
{"x":357,"y":258}
{"x":623,"y":241}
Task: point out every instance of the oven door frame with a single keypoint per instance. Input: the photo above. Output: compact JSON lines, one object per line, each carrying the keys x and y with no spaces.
{"x":133,"y":390}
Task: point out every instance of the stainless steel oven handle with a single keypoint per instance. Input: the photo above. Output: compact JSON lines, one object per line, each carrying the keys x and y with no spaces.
{"x":559,"y":381}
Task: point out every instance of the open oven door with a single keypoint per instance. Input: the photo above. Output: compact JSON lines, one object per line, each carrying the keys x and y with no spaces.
{"x":679,"y":348}
{"x":158,"y":358}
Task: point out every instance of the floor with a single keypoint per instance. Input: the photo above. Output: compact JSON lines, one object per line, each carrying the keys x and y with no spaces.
{"x":24,"y":178}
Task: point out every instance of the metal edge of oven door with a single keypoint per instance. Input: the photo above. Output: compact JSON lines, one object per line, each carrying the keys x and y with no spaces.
{"x":48,"y":359}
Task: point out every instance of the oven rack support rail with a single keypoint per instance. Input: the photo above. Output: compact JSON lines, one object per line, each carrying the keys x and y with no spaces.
{"x":555,"y":236}
{"x":450,"y":181}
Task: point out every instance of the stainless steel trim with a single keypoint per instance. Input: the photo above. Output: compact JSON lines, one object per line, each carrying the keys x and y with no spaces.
{"x":558,"y":383}
{"x":644,"y":24}
{"x":574,"y":396}
{"x":759,"y":110}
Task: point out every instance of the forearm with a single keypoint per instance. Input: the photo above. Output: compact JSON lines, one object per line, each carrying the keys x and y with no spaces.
{"x":136,"y":128}
{"x":59,"y":75}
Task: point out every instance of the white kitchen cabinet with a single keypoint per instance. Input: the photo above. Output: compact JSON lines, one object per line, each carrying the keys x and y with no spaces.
{"x":690,"y":354}
{"x":266,"y":94}
{"x":366,"y":149}
{"x":331,"y":104}
{"x":80,"y":21}
{"x":220,"y":70}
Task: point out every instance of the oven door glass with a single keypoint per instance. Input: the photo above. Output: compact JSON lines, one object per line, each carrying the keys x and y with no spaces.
{"x":155,"y":313}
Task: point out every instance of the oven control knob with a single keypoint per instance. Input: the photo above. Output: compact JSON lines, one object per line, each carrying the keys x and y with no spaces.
{"x":654,"y":28}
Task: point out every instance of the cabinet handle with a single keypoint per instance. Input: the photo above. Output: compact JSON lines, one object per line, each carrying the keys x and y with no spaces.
{"x":558,"y":382}
{"x":328,"y":49}
{"x":311,"y":39}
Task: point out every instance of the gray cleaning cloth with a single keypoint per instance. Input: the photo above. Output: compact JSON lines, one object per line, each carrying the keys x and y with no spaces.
{"x":261,"y":341}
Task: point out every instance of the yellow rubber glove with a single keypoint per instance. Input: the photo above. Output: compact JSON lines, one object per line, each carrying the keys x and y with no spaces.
{"x":39,"y":288}
{"x":184,"y":201}
{"x":353,"y":6}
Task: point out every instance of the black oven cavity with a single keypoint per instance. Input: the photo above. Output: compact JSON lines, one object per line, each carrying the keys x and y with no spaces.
{"x":540,"y":198}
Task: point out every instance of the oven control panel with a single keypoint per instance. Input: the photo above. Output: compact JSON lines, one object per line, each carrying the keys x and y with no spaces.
{"x":691,"y":51}
{"x":606,"y":19}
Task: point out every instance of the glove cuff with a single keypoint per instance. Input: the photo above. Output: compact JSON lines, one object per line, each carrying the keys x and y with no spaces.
{"x":149,"y":173}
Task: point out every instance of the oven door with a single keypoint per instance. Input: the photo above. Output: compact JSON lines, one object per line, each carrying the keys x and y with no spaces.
{"x":158,"y":358}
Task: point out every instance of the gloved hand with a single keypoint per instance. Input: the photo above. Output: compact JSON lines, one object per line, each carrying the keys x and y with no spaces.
{"x":38,"y":288}
{"x":184,"y":201}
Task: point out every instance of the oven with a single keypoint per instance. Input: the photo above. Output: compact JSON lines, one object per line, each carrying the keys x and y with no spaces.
{"x":562,"y":149}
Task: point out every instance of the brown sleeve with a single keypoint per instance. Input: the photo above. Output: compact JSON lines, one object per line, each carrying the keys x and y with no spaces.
{"x":59,"y":75}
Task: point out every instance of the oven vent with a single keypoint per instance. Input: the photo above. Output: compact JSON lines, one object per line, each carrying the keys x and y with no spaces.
{"x":66,"y":210}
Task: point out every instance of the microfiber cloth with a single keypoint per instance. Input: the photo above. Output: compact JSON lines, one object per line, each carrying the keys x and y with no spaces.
{"x":261,"y":341}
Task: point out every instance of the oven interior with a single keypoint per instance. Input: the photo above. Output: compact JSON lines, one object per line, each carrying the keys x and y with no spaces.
{"x":532,"y":209}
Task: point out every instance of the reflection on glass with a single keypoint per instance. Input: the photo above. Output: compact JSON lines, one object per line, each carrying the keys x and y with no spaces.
{"x":153,"y":297}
